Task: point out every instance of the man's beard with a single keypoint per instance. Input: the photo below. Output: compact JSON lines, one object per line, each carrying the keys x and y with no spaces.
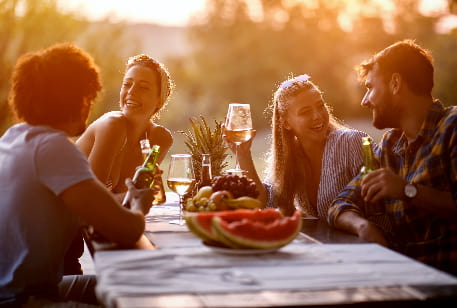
{"x":386,"y":114}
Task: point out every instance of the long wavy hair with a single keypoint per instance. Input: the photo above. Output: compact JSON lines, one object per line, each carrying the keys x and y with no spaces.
{"x":285,"y":167}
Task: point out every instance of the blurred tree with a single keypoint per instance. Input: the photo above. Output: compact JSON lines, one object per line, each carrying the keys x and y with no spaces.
{"x":238,"y":58}
{"x":241,"y":50}
{"x":27,"y":25}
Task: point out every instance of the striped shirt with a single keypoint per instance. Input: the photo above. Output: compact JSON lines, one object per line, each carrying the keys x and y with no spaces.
{"x":342,"y":160}
{"x":431,"y":160}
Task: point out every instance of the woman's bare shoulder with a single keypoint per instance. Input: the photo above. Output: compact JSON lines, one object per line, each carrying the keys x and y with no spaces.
{"x":113,"y":121}
{"x":161,"y":134}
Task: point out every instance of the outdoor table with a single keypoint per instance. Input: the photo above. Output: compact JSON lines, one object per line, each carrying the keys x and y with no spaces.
{"x":321,"y":267}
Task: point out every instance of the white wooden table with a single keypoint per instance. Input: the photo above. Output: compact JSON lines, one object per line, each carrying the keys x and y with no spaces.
{"x":182,"y":272}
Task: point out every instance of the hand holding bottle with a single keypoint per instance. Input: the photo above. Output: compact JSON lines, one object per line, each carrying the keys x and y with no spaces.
{"x":145,"y":175}
{"x":140,"y":199}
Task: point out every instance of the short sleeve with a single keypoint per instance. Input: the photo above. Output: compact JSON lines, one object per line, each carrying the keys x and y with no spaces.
{"x":60,"y":164}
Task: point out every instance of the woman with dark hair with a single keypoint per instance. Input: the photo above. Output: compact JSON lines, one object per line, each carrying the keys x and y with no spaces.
{"x":112,"y":142}
{"x":312,"y":155}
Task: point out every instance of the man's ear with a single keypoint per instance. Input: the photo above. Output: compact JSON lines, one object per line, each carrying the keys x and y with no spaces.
{"x":287,"y":125}
{"x":395,"y":83}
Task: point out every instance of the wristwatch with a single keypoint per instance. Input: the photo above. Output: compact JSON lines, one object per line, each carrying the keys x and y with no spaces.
{"x":410,"y":191}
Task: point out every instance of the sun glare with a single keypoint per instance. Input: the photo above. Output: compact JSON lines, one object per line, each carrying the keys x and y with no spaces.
{"x":169,"y":12}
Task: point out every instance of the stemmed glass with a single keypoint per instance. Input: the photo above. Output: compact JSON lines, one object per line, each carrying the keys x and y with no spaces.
{"x":238,"y":129}
{"x":180,"y":179}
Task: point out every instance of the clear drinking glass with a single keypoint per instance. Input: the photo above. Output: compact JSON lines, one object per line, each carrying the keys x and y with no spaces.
{"x":238,"y":129}
{"x":181,"y":179}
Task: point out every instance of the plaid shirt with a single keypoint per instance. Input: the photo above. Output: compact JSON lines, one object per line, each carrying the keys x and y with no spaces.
{"x":431,"y":160}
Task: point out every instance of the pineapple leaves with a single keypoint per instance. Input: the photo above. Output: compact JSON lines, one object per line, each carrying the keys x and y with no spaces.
{"x":200,"y":139}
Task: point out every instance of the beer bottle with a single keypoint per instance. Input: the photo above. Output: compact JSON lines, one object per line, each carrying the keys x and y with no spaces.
{"x":159,"y":197}
{"x":370,"y":164}
{"x":144,"y":175}
{"x":205,"y":174}
{"x":145,"y":148}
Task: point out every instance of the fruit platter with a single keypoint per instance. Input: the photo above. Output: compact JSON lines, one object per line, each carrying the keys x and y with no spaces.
{"x":228,"y":217}
{"x":226,"y":192}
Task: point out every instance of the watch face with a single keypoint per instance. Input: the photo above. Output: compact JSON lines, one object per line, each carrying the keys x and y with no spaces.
{"x":410,"y":190}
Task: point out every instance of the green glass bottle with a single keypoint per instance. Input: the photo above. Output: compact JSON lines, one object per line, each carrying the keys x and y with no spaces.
{"x":370,"y":164}
{"x":144,"y":175}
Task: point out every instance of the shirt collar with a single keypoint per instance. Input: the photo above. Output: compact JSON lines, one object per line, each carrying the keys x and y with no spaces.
{"x":427,"y":129}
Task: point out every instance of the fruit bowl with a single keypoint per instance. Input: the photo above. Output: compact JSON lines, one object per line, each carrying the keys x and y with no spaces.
{"x":225,"y":193}
{"x":244,"y":228}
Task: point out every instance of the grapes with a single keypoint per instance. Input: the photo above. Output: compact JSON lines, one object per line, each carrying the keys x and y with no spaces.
{"x":199,"y":205}
{"x":238,"y":186}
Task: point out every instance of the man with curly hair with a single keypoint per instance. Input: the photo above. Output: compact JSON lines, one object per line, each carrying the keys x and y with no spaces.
{"x":47,"y":187}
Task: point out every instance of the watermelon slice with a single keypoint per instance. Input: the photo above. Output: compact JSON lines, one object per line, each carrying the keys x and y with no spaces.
{"x":201,"y":223}
{"x":257,"y":233}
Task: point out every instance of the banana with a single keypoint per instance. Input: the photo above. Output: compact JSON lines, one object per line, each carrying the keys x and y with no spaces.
{"x":204,"y":192}
{"x":243,"y":203}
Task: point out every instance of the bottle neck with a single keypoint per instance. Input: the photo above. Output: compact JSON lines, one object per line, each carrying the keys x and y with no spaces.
{"x":205,"y":174}
{"x":368,"y":158}
{"x":151,"y":159}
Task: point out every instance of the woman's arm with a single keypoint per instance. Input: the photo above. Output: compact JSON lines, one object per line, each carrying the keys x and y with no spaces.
{"x":162,"y":137}
{"x":246,"y":163}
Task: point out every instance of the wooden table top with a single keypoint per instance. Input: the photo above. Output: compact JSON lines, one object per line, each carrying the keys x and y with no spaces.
{"x":114,"y":290}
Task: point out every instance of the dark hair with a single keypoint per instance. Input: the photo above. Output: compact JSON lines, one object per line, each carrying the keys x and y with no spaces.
{"x":53,"y":85}
{"x":166,"y":84}
{"x":412,"y":62}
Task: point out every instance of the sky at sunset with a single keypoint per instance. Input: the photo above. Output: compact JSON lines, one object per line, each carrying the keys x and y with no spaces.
{"x":179,"y":12}
{"x":167,"y":12}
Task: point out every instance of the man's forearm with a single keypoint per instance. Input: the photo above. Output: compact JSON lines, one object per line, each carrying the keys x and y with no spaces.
{"x":350,"y":221}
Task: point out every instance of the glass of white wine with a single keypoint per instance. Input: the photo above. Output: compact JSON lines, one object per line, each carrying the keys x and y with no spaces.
{"x":181,"y":179}
{"x":238,"y":129}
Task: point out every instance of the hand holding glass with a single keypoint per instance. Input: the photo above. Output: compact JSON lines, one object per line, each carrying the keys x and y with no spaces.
{"x":238,"y":128}
{"x":180,"y":179}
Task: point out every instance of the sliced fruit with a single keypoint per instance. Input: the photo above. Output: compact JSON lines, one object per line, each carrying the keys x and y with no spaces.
{"x":257,"y":233}
{"x":201,"y":223}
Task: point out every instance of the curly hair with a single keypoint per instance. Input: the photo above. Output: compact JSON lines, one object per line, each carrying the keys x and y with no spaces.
{"x":166,"y":84}
{"x":411,"y":61}
{"x":53,"y":85}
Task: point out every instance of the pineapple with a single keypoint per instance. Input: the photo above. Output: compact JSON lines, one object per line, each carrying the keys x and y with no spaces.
{"x":201,"y":140}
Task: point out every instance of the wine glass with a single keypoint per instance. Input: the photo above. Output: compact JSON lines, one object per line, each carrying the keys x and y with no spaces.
{"x":238,"y":129}
{"x":180,"y":179}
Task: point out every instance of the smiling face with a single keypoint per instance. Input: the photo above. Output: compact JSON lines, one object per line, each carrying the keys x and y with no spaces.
{"x":307,"y":116}
{"x":380,"y":100}
{"x":140,"y":92}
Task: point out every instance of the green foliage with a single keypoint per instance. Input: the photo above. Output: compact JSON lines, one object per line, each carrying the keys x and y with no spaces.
{"x":29,"y":25}
{"x":237,"y":57}
{"x":200,"y":139}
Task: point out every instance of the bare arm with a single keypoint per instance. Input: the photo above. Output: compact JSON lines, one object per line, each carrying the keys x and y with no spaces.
{"x":246,"y":163}
{"x":91,"y":201}
{"x":352,"y":222}
{"x":162,"y":137}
